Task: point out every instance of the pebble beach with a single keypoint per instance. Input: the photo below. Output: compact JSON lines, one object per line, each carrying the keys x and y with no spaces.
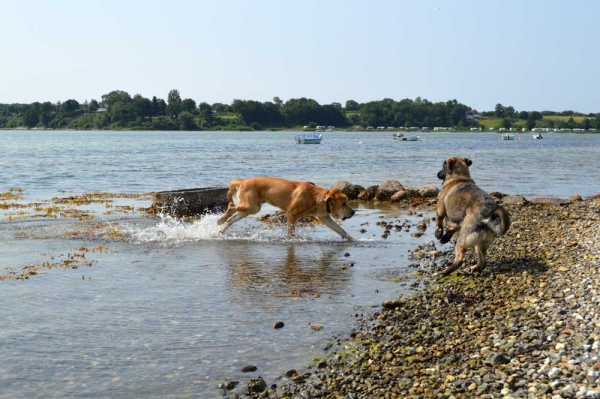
{"x":528,"y":326}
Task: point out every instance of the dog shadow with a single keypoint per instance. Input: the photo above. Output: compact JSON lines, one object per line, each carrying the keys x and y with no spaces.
{"x":533,"y":265}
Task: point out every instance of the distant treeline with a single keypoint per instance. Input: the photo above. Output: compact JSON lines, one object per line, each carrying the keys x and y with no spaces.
{"x":118,"y":110}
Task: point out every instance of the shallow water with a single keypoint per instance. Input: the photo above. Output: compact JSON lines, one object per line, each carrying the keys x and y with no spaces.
{"x":170,"y":308}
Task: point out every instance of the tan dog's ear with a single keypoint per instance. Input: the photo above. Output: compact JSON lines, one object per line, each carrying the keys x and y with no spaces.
{"x":468,"y":161}
{"x":328,"y":198}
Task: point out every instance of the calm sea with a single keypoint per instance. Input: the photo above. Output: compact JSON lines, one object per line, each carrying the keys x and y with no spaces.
{"x":169,"y":308}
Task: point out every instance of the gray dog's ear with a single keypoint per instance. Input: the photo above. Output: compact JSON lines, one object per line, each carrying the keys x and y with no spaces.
{"x":468,"y":162}
{"x":449,"y":165}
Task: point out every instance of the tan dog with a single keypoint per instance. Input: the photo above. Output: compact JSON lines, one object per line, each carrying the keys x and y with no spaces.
{"x":469,"y":210}
{"x":296,"y":199}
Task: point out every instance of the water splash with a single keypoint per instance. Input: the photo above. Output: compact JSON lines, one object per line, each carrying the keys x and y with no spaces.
{"x":170,"y":230}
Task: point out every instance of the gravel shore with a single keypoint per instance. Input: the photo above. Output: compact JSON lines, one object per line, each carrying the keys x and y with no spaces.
{"x":526,"y":327}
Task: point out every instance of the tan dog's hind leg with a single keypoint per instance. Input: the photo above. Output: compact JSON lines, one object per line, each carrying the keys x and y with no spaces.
{"x":329,"y":222}
{"x":235,"y":213}
{"x":230,"y":211}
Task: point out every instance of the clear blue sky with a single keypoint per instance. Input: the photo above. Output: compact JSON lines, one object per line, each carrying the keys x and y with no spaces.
{"x":531,"y":54}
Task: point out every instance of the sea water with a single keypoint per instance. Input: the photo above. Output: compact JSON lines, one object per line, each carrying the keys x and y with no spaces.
{"x":158,"y":306}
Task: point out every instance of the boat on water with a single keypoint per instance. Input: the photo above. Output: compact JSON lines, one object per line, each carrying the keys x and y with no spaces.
{"x":402,"y":137}
{"x":508,"y":136}
{"x":397,"y":136}
{"x":308,"y":138}
{"x":538,"y":136}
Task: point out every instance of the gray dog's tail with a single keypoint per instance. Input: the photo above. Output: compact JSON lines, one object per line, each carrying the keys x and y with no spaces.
{"x":500,"y":221}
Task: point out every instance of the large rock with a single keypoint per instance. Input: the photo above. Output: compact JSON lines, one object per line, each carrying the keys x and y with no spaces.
{"x":399,"y":196}
{"x":514,"y":200}
{"x":428,"y":191}
{"x":368,"y":194}
{"x":387,"y":189}
{"x":351,"y":191}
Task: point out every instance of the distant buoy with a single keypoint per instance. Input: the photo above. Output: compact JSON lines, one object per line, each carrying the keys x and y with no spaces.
{"x":589,"y":137}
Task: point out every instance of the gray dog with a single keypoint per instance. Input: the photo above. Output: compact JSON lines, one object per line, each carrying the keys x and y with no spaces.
{"x":469,"y":211}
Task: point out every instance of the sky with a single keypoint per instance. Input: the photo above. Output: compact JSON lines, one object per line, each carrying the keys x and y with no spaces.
{"x":534,"y":55}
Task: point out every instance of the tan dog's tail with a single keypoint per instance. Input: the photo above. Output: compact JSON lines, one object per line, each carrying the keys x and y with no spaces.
{"x":500,"y":221}
{"x":233,"y":188}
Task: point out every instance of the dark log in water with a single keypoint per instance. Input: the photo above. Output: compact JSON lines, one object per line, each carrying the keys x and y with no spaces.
{"x":190,"y":202}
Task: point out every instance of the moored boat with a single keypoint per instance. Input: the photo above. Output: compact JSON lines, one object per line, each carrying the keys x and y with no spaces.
{"x":538,"y":136}
{"x":308,"y":138}
{"x":508,"y":136}
{"x":407,"y":138}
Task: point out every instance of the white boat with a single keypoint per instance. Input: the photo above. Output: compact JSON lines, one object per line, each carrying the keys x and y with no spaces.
{"x":308,"y":138}
{"x":508,"y":136}
{"x":407,"y":138}
{"x":538,"y":136}
{"x":397,"y":136}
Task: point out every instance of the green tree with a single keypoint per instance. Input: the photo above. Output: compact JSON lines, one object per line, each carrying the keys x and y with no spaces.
{"x":499,"y":110}
{"x":116,"y":96}
{"x":352,"y":106}
{"x":69,"y":107}
{"x":31,"y":115}
{"x":205,"y":112}
{"x":188,"y":105}
{"x":587,"y":124}
{"x":93,"y":106}
{"x":47,"y":113}
{"x":142,"y":108}
{"x":121,"y":112}
{"x":174,"y":106}
{"x":524,"y":115}
{"x":536,"y":116}
{"x":159,"y":107}
{"x":506,"y":123}
{"x":509,"y":112}
{"x":186,"y":121}
{"x":277,"y":101}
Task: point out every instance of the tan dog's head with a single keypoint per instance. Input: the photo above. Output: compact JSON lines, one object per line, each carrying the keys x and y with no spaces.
{"x":455,"y":166}
{"x":337,"y":205}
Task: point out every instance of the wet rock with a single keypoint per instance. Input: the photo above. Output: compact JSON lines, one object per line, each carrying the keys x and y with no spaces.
{"x":399,"y":196}
{"x":257,"y":385}
{"x":386,"y":189}
{"x":351,"y":191}
{"x":249,"y":369}
{"x":368,"y":194}
{"x":278,"y":324}
{"x":428,"y":191}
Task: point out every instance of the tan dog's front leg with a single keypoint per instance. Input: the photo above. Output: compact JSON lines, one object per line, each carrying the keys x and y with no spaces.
{"x":291,"y":225}
{"x":329,"y":222}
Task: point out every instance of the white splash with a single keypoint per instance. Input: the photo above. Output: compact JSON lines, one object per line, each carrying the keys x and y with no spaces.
{"x":172,"y":231}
